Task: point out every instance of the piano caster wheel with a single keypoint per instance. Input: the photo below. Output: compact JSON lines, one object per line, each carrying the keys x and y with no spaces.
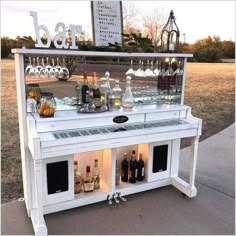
{"x":115,"y":198}
{"x":109,"y":199}
{"x":122,"y":198}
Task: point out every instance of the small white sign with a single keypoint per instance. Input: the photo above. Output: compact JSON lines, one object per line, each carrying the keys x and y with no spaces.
{"x":107,"y":22}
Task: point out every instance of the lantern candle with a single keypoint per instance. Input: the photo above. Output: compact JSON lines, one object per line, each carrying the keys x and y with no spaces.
{"x":171,"y":47}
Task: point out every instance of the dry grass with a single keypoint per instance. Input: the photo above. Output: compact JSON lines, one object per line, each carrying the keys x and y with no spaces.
{"x":209,"y":91}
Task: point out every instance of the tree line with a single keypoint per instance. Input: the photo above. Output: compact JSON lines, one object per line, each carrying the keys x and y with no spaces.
{"x":141,"y":33}
{"x":210,"y":49}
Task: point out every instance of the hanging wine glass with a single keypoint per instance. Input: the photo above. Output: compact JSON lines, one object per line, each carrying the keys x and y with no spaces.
{"x":53,"y":70}
{"x":64,"y":72}
{"x":57,"y":68}
{"x":42,"y":69}
{"x":140,"y":72}
{"x":28,"y":67}
{"x":157,"y":70}
{"x":38,"y":66}
{"x":169,"y":71}
{"x":47,"y":66}
{"x":130,"y":71}
{"x":179,"y":70}
{"x":33,"y":72}
{"x":148,"y":71}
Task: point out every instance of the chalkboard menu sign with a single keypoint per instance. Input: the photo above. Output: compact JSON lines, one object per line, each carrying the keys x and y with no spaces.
{"x":107,"y":22}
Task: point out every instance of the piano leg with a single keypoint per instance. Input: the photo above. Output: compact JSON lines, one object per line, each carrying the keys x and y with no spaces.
{"x":39,"y":224}
{"x":193,"y":164}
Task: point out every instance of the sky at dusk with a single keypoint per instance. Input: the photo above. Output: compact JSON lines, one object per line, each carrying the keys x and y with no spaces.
{"x":195,"y":19}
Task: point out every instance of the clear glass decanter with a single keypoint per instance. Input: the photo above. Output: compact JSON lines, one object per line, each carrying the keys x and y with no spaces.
{"x":128,"y":99}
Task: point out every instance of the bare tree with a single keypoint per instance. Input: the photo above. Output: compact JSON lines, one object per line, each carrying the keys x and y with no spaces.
{"x":153,"y":22}
{"x":130,"y":17}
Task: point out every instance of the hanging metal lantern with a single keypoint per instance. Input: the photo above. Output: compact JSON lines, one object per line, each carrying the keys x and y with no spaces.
{"x":170,"y":35}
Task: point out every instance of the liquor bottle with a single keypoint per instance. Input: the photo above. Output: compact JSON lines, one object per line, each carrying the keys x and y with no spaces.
{"x":96,"y":175}
{"x":128,"y":100}
{"x":116,"y":95}
{"x":133,"y":168}
{"x":85,"y":90}
{"x":88,"y":181}
{"x":117,"y":173}
{"x":96,"y":100}
{"x":107,"y":76}
{"x":140,"y":168}
{"x":109,"y":96}
{"x":105,"y":91}
{"x":125,"y":169}
{"x":77,"y":179}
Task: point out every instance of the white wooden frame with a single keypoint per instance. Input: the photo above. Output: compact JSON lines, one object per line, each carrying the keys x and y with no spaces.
{"x":33,"y":154}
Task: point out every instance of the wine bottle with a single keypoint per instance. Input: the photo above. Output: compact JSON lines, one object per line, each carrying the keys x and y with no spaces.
{"x":133,"y":168}
{"x":125,"y":169}
{"x":140,"y":168}
{"x":85,"y":90}
{"x":96,"y":100}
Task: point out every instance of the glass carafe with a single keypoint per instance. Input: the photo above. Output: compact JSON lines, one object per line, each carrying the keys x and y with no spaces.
{"x":128,"y":99}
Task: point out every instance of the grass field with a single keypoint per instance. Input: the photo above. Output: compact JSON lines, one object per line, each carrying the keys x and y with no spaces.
{"x":210,"y":91}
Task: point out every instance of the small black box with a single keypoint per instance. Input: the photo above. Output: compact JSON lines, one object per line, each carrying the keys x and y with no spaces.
{"x":57,"y":177}
{"x":160,"y":154}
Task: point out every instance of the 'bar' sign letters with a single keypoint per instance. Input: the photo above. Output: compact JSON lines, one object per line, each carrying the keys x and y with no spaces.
{"x":60,"y":37}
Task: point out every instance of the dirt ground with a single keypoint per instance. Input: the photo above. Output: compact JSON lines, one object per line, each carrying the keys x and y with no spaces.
{"x":210,"y":91}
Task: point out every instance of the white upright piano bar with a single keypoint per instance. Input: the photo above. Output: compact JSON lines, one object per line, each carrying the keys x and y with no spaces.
{"x":70,"y":136}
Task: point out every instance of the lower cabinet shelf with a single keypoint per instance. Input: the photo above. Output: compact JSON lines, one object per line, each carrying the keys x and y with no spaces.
{"x":102,"y":190}
{"x":108,"y":159}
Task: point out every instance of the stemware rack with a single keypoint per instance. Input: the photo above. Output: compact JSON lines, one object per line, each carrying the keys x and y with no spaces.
{"x":49,"y":146}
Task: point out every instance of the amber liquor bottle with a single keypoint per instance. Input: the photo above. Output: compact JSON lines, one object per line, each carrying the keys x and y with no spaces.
{"x":88,"y":181}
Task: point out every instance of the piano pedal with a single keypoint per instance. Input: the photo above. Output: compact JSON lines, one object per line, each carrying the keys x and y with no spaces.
{"x":122,"y":198}
{"x":109,"y":199}
{"x":115,"y":197}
